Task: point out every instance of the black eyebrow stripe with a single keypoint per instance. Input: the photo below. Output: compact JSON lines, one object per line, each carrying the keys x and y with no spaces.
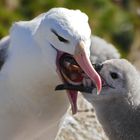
{"x":54,"y":32}
{"x":60,"y":37}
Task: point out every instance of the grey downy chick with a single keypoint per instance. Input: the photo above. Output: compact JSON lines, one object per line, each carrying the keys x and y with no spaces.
{"x":118,"y":105}
{"x":101,"y":50}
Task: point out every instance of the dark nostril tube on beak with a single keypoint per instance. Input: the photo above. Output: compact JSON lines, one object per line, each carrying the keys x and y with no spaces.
{"x":98,"y":66}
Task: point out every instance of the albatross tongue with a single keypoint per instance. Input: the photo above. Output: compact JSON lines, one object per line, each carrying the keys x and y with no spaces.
{"x":72,"y":94}
{"x":73,"y":100}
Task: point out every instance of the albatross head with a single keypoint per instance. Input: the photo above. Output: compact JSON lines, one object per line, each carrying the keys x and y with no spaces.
{"x":68,"y":33}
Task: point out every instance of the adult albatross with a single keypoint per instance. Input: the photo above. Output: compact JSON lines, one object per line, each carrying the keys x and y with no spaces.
{"x":31,"y":68}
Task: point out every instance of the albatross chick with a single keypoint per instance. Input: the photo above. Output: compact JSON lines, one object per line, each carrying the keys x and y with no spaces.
{"x":118,"y":105}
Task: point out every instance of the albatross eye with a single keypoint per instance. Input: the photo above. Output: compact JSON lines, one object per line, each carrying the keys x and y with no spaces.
{"x":60,"y":37}
{"x":114,"y":75}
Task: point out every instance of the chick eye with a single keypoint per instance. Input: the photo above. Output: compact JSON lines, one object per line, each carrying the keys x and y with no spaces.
{"x":114,"y":75}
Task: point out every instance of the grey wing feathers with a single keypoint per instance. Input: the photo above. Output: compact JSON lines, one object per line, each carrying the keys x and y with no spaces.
{"x":102,"y":50}
{"x":4,"y":45}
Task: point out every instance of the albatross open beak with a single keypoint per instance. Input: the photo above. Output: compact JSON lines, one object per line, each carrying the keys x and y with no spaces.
{"x":85,"y":64}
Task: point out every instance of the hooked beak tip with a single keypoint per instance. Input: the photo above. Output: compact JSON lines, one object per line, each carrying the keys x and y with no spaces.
{"x":98,"y":88}
{"x":84,"y":62}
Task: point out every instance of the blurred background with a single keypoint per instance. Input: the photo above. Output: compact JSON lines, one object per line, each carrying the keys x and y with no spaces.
{"x":117,"y":21}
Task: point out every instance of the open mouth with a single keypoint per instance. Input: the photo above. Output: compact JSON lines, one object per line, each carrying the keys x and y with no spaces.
{"x":72,"y":76}
{"x":74,"y":79}
{"x":70,"y":70}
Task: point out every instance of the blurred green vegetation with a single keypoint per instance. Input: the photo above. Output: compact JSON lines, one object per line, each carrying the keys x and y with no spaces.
{"x":114,"y":20}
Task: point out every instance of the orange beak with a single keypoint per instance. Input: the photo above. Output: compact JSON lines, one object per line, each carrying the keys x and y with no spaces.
{"x":85,"y":64}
